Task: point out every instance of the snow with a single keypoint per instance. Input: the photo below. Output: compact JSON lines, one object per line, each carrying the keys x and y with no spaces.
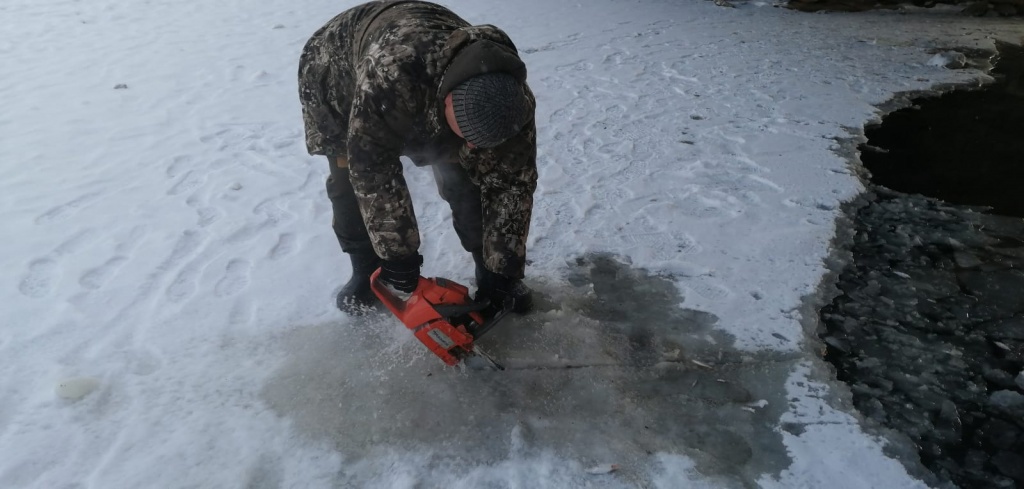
{"x":949,"y":59}
{"x":170,"y":264}
{"x":831,"y":439}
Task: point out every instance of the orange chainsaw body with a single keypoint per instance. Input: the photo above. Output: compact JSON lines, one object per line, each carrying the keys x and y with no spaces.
{"x":440,"y":313}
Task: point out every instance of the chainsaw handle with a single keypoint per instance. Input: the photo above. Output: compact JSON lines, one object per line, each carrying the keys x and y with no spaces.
{"x":482,"y":329}
{"x":460,"y":309}
{"x":389,"y":299}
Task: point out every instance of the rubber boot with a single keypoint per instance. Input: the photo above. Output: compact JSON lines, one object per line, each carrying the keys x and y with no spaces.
{"x":355,"y":296}
{"x":478,"y":259}
{"x":521,"y":295}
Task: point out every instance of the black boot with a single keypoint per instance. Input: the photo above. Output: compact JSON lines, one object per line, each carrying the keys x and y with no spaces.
{"x":356,"y":297}
{"x":481,"y":270}
{"x":521,"y":295}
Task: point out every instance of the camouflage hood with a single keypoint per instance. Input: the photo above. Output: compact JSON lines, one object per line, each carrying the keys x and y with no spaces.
{"x":476,"y":50}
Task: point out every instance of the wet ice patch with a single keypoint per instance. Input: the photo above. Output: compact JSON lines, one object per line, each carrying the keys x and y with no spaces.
{"x":609,"y":370}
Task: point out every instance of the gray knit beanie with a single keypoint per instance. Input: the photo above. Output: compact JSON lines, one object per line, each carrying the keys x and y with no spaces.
{"x":490,"y":108}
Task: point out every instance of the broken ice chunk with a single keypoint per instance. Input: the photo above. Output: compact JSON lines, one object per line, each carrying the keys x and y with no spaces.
{"x":76,"y":388}
{"x":966,"y":260}
{"x":1006,"y":399}
{"x":949,"y":59}
{"x":603,"y":469}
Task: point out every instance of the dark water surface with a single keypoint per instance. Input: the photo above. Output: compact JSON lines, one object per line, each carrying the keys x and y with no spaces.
{"x":964,"y":147}
{"x":928,"y":326}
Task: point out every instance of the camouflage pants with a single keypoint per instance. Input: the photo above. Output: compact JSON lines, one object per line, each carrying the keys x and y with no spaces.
{"x":453,"y":185}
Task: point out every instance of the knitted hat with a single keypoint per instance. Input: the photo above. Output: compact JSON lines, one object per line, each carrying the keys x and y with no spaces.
{"x":490,"y":108}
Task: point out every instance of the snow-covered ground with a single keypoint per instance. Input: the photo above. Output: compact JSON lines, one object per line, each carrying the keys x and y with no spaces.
{"x":167,"y":301}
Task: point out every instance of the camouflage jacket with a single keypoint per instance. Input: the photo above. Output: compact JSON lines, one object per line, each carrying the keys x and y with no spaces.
{"x":369,"y":82}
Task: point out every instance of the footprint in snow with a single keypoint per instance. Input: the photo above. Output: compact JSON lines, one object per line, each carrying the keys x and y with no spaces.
{"x":185,"y":283}
{"x":286,"y":245}
{"x":178,"y":165}
{"x":208,"y":215}
{"x":189,"y":182}
{"x":42,"y":274}
{"x":97,"y":277}
{"x":236,"y":278}
{"x":40,"y":279}
{"x":709,"y":290}
{"x":66,"y":210}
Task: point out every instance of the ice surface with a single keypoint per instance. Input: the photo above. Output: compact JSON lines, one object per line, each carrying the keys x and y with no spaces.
{"x":172,"y":238}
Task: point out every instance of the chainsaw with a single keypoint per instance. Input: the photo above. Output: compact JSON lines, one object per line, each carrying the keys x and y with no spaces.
{"x":441,"y":314}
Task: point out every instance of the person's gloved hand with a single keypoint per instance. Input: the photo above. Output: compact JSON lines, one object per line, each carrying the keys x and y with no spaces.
{"x":504,"y":293}
{"x":402,"y":275}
